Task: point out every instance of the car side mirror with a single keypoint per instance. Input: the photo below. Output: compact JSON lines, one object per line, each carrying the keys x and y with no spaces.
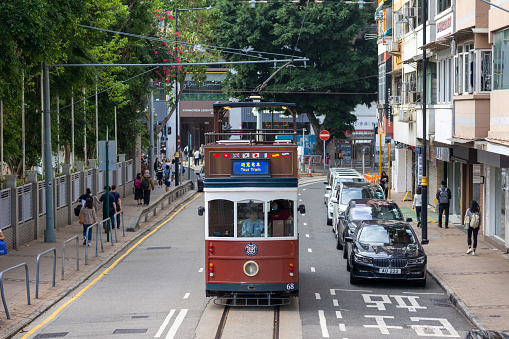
{"x":328,"y":188}
{"x":341,"y":217}
{"x":348,"y":239}
{"x":408,"y":219}
{"x":334,"y":200}
{"x":201,"y":210}
{"x":302,"y":209}
{"x":325,"y":182}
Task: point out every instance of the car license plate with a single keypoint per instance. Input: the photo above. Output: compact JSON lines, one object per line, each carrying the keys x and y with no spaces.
{"x":391,"y":270}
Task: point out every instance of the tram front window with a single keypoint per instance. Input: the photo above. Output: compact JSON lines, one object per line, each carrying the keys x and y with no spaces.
{"x":221,"y":218}
{"x":250,"y":216}
{"x":281,"y":218}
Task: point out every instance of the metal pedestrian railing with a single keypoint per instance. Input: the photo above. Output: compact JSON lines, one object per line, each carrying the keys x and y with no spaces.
{"x":37,"y":269}
{"x":98,"y":235}
{"x":77,"y":254}
{"x":2,"y":286}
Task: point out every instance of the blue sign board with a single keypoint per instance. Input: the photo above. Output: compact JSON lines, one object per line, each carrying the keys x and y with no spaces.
{"x":251,"y":167}
{"x":346,"y":149}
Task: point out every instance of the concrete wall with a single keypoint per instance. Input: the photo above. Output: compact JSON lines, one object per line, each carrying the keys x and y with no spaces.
{"x":499,"y":115}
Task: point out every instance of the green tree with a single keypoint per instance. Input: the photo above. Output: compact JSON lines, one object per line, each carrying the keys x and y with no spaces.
{"x":340,"y":60}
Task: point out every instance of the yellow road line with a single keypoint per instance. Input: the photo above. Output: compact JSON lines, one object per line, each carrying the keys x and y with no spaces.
{"x":106,"y":271}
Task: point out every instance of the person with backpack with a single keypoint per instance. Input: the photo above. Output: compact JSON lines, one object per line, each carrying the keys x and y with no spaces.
{"x":444,"y":198}
{"x":89,"y":218}
{"x":147,"y":183}
{"x":167,"y":177}
{"x":138,"y":191}
{"x":472,"y":224}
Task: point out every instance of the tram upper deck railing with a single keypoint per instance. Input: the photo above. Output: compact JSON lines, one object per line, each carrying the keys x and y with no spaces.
{"x":250,"y":137}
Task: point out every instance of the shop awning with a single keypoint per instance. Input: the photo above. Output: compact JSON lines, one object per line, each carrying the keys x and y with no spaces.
{"x":388,"y":32}
{"x":384,"y":3}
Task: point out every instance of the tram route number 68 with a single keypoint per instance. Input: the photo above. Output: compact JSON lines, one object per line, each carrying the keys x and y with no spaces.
{"x":290,"y":286}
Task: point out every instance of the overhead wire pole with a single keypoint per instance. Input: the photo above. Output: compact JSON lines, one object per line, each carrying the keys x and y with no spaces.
{"x":96,"y":123}
{"x":424,"y":184}
{"x":23,"y":120}
{"x":72,"y":127}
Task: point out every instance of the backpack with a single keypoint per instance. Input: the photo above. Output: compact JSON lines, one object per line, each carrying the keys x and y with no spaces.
{"x":145,"y":184}
{"x":443,"y":196}
{"x":77,"y":210}
{"x":137,"y":183}
{"x":474,"y":220}
{"x":167,"y":175}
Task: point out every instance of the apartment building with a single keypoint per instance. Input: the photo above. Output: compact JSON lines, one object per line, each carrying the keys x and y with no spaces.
{"x":466,"y":46}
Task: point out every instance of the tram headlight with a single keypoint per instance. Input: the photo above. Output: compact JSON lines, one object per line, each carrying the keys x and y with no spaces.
{"x":251,"y":268}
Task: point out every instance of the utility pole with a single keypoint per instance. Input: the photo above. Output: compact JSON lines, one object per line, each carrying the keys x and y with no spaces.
{"x":151,"y":127}
{"x":97,"y":123}
{"x":1,"y":143}
{"x":50,"y":234}
{"x":72,"y":127}
{"x":23,"y":121}
{"x":424,"y":184}
{"x":85,"y":126}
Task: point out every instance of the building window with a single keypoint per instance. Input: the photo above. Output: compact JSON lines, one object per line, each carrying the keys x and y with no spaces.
{"x":445,"y":90}
{"x":410,"y":88}
{"x":442,"y":5}
{"x":472,"y":69}
{"x":500,"y":51}
{"x":381,"y":84}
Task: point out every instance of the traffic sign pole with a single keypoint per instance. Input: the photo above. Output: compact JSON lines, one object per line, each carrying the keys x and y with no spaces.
{"x":324,"y":135}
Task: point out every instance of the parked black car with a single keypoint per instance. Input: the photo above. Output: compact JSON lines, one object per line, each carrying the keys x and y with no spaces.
{"x":385,"y":249}
{"x":365,"y":209}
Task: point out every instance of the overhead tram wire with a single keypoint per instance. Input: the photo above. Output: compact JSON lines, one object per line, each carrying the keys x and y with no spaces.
{"x":280,"y":92}
{"x":300,"y":30}
{"x":209,"y":47}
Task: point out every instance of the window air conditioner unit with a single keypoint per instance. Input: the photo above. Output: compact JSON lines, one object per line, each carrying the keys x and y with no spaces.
{"x":398,"y":17}
{"x":393,"y":47}
{"x":395,"y":100}
{"x":410,"y":12}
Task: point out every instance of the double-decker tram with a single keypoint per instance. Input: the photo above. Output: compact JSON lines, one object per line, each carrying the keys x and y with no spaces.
{"x":251,"y":223}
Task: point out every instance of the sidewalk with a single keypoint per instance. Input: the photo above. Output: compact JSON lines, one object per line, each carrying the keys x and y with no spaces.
{"x":477,"y":285}
{"x":14,"y":281}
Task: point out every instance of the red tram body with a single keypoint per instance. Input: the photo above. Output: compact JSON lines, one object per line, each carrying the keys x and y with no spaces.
{"x":250,"y":191}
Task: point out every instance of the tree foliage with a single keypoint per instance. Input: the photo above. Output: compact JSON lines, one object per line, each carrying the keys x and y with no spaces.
{"x":340,"y":60}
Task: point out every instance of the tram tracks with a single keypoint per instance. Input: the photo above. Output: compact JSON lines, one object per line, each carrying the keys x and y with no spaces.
{"x":263,"y":323}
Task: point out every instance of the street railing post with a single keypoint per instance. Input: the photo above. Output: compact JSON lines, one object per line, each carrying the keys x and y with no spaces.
{"x":27,"y":280}
{"x":77,"y":254}
{"x":37,"y":269}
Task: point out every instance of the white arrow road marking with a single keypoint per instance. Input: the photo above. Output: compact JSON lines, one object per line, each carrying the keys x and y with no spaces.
{"x":323,"y":324}
{"x":176,"y":324}
{"x":164,"y":324}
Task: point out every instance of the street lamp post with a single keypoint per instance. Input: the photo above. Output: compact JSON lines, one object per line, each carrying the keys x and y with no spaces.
{"x":424,"y":183}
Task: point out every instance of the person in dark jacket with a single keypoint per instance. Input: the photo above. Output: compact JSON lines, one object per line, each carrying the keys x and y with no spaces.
{"x":384,"y":182}
{"x":138,"y":191}
{"x":111,"y":202}
{"x":83,"y":197}
{"x":147,"y":188}
{"x":443,"y":198}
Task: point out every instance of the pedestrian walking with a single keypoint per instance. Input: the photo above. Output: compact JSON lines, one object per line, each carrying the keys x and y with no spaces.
{"x":83,"y":198}
{"x":89,"y":217}
{"x":201,"y":154}
{"x":159,"y":175}
{"x":156,"y":164}
{"x":118,"y":203}
{"x":340,"y":158}
{"x":111,"y":208}
{"x":3,"y":247}
{"x":196,"y":157}
{"x":147,"y":183}
{"x":167,"y":177}
{"x":472,"y":224}
{"x":384,"y":182}
{"x":417,"y":204}
{"x":443,"y":197}
{"x":138,"y":191}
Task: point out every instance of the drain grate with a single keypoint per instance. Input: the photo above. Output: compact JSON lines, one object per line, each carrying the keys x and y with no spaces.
{"x":159,"y":248}
{"x":140,"y":316}
{"x":51,"y":335}
{"x":130,"y":330}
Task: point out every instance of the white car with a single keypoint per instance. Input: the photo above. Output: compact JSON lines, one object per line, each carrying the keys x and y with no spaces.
{"x":326,"y":194}
{"x":338,"y":178}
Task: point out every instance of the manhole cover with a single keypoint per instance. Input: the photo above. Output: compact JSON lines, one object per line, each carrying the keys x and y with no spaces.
{"x":51,"y":335}
{"x":129,"y":330}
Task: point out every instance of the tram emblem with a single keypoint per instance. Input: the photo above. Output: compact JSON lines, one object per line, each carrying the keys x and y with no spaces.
{"x":251,"y":249}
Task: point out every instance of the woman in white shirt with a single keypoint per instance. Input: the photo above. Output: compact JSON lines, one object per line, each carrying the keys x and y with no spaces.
{"x":417,"y":204}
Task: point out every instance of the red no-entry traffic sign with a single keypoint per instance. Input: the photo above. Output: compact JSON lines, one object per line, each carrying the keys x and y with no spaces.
{"x":324,"y":135}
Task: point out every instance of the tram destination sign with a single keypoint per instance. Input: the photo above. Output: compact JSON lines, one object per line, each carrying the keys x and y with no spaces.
{"x":250,"y":167}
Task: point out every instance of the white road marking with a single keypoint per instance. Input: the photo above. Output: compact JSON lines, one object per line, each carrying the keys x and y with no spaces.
{"x":379,"y":304}
{"x":342,"y":327}
{"x":414,"y":305}
{"x":333,"y":290}
{"x":380,"y":323}
{"x":176,"y":324}
{"x":335,"y":303}
{"x":317,"y":296}
{"x":200,"y":270}
{"x":300,"y":199}
{"x":303,"y":189}
{"x":299,"y":193}
{"x":339,"y":315}
{"x":323,"y":324}
{"x":186,"y":295}
{"x":313,"y":269}
{"x":437,"y":330}
{"x":310,"y":250}
{"x":164,"y":324}
{"x":307,"y":235}
{"x":423,"y":293}
{"x":305,"y":223}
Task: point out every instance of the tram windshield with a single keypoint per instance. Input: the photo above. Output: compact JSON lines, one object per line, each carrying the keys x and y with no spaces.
{"x":251,"y":219}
